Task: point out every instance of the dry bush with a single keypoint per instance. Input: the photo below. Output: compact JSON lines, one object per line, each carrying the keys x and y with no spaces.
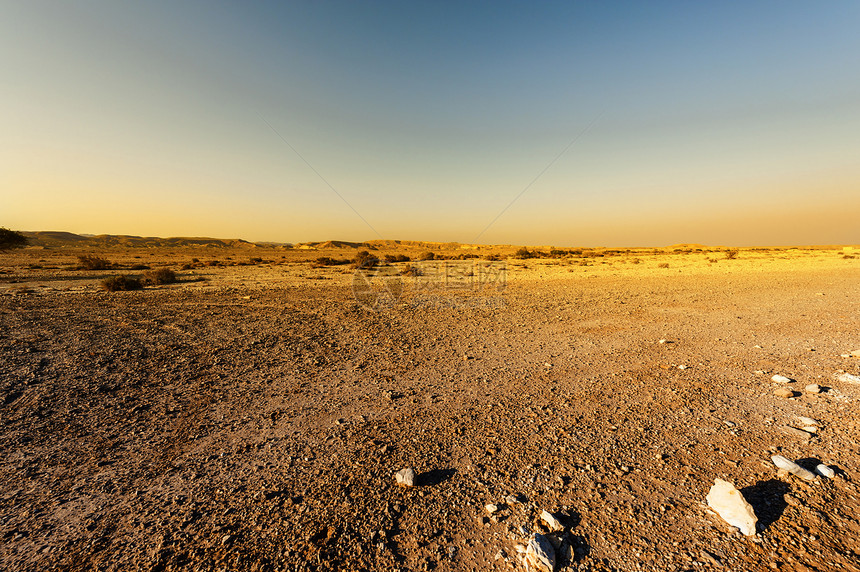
{"x":848,"y":256}
{"x":121,"y":283}
{"x":396,"y":258}
{"x":635,"y":261}
{"x":731,"y":254}
{"x":492,"y":257}
{"x":92,"y":262}
{"x":160,"y":276}
{"x":364,"y":259}
{"x":427,"y":256}
{"x":10,"y":239}
{"x":410,"y":271}
{"x":328,"y":261}
{"x":663,"y":265}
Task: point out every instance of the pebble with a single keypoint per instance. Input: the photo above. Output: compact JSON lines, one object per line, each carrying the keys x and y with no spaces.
{"x":783,"y":392}
{"x":781,"y":379}
{"x":808,"y":421}
{"x":813,"y":388}
{"x":792,"y":467}
{"x":825,"y":471}
{"x":848,"y":378}
{"x":540,"y":555}
{"x":855,"y":353}
{"x":795,"y":432}
{"x":405,"y":477}
{"x":551,"y":521}
{"x":732,"y":507}
{"x":682,"y":366}
{"x":492,"y":508}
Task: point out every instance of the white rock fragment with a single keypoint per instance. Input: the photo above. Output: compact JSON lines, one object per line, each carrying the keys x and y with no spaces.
{"x":730,"y":504}
{"x":492,"y":508}
{"x":813,"y":388}
{"x":405,"y":477}
{"x":540,"y":555}
{"x":848,"y":378}
{"x":808,"y":421}
{"x":792,"y":467}
{"x":855,"y":353}
{"x":551,"y":521}
{"x":781,"y":379}
{"x":825,"y":471}
{"x":663,"y":341}
{"x":783,"y":392}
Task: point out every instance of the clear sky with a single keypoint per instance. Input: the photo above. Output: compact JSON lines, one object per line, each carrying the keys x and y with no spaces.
{"x":715,"y":123}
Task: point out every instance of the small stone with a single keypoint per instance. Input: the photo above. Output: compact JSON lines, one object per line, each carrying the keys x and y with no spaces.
{"x":729,"y":424}
{"x":730,"y":504}
{"x":848,"y":378}
{"x":501,"y":555}
{"x":540,"y":555}
{"x":492,"y":508}
{"x":813,"y":388}
{"x":226,"y":538}
{"x":551,"y":521}
{"x":792,"y":467}
{"x":682,"y":366}
{"x":795,"y":432}
{"x":808,"y":421}
{"x":825,"y":471}
{"x":663,"y":341}
{"x":783,"y":392}
{"x":781,"y":379}
{"x":405,"y":477}
{"x":855,"y":353}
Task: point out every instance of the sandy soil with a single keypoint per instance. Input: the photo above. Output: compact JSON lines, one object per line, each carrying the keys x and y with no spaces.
{"x":253,"y":417}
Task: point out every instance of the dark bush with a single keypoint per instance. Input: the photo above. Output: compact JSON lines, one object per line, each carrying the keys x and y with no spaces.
{"x":327,"y":261}
{"x":731,"y":254}
{"x":160,"y":276}
{"x":663,"y":265}
{"x":396,"y":258}
{"x":91,"y":262}
{"x":10,"y":239}
{"x":427,"y":256}
{"x":121,"y":282}
{"x":364,"y":259}
{"x":140,"y":267}
{"x":523,"y":253}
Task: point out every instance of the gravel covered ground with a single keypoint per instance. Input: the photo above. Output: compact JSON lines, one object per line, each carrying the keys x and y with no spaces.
{"x":252,"y":417}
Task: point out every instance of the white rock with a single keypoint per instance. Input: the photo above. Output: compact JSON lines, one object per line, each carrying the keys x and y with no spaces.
{"x":551,"y":521}
{"x":405,"y":477}
{"x":848,"y":378}
{"x":825,"y":471}
{"x":682,"y":366}
{"x":808,"y":421}
{"x":792,"y":468}
{"x":730,"y":504}
{"x":855,"y":353}
{"x":540,"y":555}
{"x":781,"y":379}
{"x":813,"y":388}
{"x":663,"y":341}
{"x":783,"y":392}
{"x":492,"y":508}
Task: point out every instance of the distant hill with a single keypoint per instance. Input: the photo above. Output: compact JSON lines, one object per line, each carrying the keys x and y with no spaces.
{"x":58,"y":239}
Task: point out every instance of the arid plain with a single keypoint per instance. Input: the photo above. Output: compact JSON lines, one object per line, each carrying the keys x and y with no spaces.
{"x":253,"y":414}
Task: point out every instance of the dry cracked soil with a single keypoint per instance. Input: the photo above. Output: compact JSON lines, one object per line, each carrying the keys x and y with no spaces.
{"x":252,"y":416}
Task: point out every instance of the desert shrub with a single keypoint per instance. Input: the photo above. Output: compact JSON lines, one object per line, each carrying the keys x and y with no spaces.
{"x":410,"y":271}
{"x":92,"y":262}
{"x":396,"y":258}
{"x":635,"y":261}
{"x":492,"y":257}
{"x":523,"y":253}
{"x":121,"y":282}
{"x":731,"y":254}
{"x":429,"y":255}
{"x":328,"y":261}
{"x":160,"y":276}
{"x":140,"y":267}
{"x":663,"y":265}
{"x":847,"y":256}
{"x":10,"y":239}
{"x":364,"y":259}
{"x":256,"y":260}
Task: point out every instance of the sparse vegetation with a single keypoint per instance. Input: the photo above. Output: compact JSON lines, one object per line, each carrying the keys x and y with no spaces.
{"x":410,"y":270}
{"x":160,"y":276}
{"x":92,"y":262}
{"x":396,"y":258}
{"x":523,"y":253}
{"x":429,"y":255}
{"x":364,"y":259}
{"x":10,"y":239}
{"x":121,"y":283}
{"x":328,"y":261}
{"x":492,"y":257}
{"x":731,"y":254}
{"x":663,"y":265}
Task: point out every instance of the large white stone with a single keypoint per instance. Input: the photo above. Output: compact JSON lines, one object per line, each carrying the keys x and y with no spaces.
{"x":405,"y":477}
{"x":792,"y":467}
{"x":540,"y":555}
{"x":732,"y":507}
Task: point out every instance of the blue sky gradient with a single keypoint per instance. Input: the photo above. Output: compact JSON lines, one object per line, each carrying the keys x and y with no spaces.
{"x":717,"y":123}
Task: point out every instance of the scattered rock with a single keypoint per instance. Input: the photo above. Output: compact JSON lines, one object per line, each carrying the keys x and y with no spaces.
{"x":825,"y":471}
{"x":794,"y":432}
{"x":782,"y":379}
{"x":682,"y":366}
{"x":730,"y":504}
{"x":813,"y":388}
{"x":664,"y":341}
{"x":405,"y":477}
{"x":540,"y":555}
{"x":848,"y":378}
{"x":792,"y":467}
{"x":855,"y":353}
{"x":492,"y":508}
{"x":783,"y":392}
{"x":551,"y":521}
{"x":226,"y":539}
{"x":808,"y":421}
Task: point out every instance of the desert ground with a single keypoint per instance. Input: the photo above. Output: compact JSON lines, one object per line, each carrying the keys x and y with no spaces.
{"x":252,"y":416}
